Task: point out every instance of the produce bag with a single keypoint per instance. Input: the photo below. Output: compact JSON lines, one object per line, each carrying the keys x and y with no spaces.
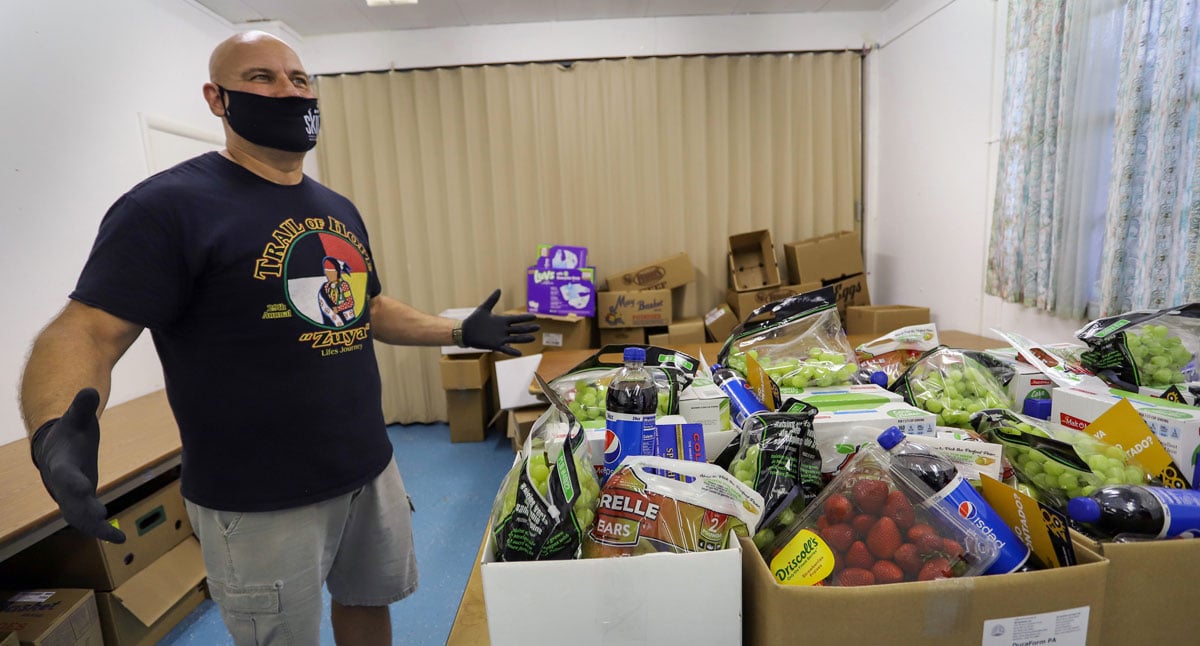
{"x":893,"y":353}
{"x":953,"y":384}
{"x":778,"y":458}
{"x":1144,"y":349}
{"x":642,"y":512}
{"x":866,"y":529}
{"x":1057,"y":462}
{"x":799,"y":342}
{"x":548,"y":499}
{"x":584,"y":388}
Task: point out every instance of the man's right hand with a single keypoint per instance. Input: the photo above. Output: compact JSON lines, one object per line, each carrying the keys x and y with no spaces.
{"x":65,"y":451}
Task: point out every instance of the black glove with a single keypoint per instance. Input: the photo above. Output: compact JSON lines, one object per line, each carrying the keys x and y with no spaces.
{"x":482,"y":329}
{"x":65,"y":451}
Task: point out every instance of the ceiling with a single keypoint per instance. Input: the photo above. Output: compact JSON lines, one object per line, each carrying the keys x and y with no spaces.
{"x":319,"y":17}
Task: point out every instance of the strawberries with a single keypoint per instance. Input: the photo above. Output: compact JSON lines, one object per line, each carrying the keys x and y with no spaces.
{"x":838,"y":508}
{"x":855,"y":576}
{"x":870,"y":495}
{"x":936,"y":568}
{"x":917,"y":531}
{"x":884,"y":538}
{"x":862,"y":524}
{"x":952,"y":548}
{"x":899,"y":509}
{"x":887,"y":572}
{"x":907,"y":558}
{"x":839,"y":536}
{"x":858,"y":556}
{"x":928,"y":544}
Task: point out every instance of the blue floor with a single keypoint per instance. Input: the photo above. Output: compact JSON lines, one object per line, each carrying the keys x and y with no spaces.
{"x":452,"y":486}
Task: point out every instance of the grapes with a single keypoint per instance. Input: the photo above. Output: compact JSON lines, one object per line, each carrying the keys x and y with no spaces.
{"x":588,"y":400}
{"x":1158,"y":356}
{"x":958,"y":391}
{"x":817,"y":367}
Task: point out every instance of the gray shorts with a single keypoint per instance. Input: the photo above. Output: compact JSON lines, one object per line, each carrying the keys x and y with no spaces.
{"x":266,"y":569}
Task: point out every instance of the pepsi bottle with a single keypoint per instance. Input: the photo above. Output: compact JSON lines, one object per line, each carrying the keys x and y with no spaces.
{"x":630,"y":408}
{"x":743,"y":403}
{"x":1157,"y":512}
{"x":945,"y":486}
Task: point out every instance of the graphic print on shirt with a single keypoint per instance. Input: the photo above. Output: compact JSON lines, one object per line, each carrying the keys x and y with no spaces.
{"x":326,"y":279}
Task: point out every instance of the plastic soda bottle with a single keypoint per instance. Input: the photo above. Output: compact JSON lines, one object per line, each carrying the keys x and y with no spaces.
{"x":944,"y":485}
{"x":743,"y":403}
{"x":630,"y":408}
{"x":1159,"y":512}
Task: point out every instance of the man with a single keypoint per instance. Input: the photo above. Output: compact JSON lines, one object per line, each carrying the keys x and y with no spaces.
{"x":287,"y":468}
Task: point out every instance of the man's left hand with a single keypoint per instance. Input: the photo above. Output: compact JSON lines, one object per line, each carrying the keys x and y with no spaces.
{"x":489,"y":331}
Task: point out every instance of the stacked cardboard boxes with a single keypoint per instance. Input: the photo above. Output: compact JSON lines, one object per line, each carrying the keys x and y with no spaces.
{"x":466,"y":378}
{"x":754,"y":277}
{"x":834,"y":259}
{"x":143,"y":587}
{"x":49,"y":616}
{"x":643,"y":297}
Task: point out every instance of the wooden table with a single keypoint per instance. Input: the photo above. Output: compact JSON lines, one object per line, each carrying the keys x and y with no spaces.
{"x":138,"y":441}
{"x":470,"y":623}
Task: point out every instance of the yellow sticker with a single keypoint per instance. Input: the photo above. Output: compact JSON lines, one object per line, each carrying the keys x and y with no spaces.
{"x":760,"y":383}
{"x":805,"y":560}
{"x":1039,"y":527}
{"x":114,"y":523}
{"x":1122,"y":427}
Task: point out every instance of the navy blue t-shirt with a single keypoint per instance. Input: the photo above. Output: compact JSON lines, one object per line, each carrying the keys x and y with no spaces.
{"x":256,"y":296}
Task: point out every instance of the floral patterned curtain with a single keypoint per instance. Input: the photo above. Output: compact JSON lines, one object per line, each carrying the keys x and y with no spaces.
{"x":1153,"y":225}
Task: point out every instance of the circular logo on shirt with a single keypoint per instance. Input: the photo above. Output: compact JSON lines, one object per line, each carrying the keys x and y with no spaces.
{"x":326,"y":279}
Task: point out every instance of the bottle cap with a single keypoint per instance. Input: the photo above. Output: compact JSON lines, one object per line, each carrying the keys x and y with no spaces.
{"x":891,"y":437}
{"x":1039,"y":408}
{"x":879,"y":378}
{"x":635,"y":354}
{"x":1084,"y":510}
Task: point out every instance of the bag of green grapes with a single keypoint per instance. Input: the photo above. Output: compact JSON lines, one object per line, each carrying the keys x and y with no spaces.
{"x":778,"y":458}
{"x":547,"y":501}
{"x":1146,"y":352}
{"x":799,"y":342}
{"x":953,"y":384}
{"x":584,"y":388}
{"x":1057,"y":462}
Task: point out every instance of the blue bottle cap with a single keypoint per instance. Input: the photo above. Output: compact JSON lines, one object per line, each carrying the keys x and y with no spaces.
{"x":879,"y":378}
{"x":1039,"y":408}
{"x":1084,"y":510}
{"x":891,"y":437}
{"x":635,"y":354}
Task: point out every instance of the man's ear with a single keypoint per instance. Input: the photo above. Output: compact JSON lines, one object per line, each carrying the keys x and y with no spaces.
{"x":212,"y":96}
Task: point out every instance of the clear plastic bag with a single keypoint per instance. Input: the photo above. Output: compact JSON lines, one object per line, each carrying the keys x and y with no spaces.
{"x":953,"y":384}
{"x":896,"y":351}
{"x":584,"y":388}
{"x":799,"y":342}
{"x":1137,"y":350}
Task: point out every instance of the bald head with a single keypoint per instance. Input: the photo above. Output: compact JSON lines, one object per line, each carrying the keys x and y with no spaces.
{"x":233,"y":55}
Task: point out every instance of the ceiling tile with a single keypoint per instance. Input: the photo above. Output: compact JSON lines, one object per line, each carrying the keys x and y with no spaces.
{"x":690,"y":7}
{"x":593,"y":10}
{"x":232,"y":10}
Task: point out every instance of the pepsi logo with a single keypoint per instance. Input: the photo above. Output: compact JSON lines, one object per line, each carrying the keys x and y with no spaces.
{"x":966,"y":509}
{"x":612,"y":446}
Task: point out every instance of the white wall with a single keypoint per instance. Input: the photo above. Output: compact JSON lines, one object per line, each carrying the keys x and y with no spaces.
{"x":934,"y":95}
{"x":76,"y":75}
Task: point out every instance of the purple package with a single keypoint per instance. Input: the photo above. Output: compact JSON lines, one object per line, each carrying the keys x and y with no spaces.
{"x":561,"y":291}
{"x":681,"y":442}
{"x":555,"y":256}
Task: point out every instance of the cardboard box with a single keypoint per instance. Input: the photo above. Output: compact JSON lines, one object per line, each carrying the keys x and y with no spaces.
{"x":703,"y":402}
{"x":561,"y":291}
{"x":661,"y":339}
{"x":9,"y":639}
{"x":144,"y":609}
{"x":862,"y":396}
{"x":557,"y":256}
{"x":467,"y":414}
{"x":686,"y":332}
{"x":852,"y":291}
{"x":824,"y":259}
{"x":568,"y":332}
{"x":1151,"y":596}
{"x":633,"y":309}
{"x":837,"y":419}
{"x":458,"y":314}
{"x":54,"y":617}
{"x":647,"y":599}
{"x":752,"y":263}
{"x":520,"y":423}
{"x":69,"y":558}
{"x":623,"y":336}
{"x":664,"y":273}
{"x":743,"y":303}
{"x":972,"y":610}
{"x":719,"y":323}
{"x":881,"y":319}
{"x":1177,"y":426}
{"x":465,"y":372}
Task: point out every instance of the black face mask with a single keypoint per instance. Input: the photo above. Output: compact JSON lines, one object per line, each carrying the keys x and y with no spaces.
{"x":286,"y":123}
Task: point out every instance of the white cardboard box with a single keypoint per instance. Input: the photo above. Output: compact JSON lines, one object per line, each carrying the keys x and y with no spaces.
{"x":1177,"y":426}
{"x":693,"y":598}
{"x":714,"y":442}
{"x":910,"y":419}
{"x":703,"y":402}
{"x":846,"y":396}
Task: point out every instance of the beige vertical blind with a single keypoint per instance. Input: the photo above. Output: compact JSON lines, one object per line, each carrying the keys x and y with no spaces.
{"x":461,"y":172}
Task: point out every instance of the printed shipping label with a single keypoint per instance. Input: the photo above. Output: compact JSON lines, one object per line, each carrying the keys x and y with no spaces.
{"x":31,"y":597}
{"x":1062,"y":628}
